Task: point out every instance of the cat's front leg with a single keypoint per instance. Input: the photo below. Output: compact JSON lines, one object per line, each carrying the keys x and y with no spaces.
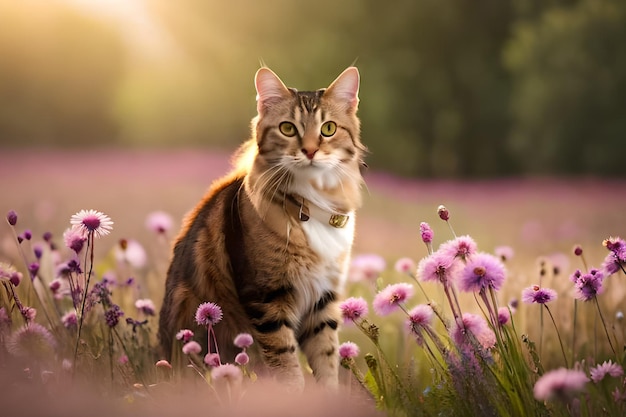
{"x":280,"y":355}
{"x":320,"y":346}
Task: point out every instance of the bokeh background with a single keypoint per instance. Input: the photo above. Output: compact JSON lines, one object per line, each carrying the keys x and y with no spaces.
{"x":453,"y":88}
{"x":512,"y":113}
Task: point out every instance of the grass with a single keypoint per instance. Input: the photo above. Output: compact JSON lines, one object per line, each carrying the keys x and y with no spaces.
{"x":542,"y":219}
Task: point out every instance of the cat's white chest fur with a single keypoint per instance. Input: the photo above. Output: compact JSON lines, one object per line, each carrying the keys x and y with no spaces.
{"x":332,"y":244}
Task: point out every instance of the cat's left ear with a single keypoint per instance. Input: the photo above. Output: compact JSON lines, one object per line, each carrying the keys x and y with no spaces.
{"x":269,"y":89}
{"x":346,"y":88}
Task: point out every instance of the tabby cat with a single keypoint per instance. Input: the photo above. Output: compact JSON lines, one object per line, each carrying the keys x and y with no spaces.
{"x":270,"y":243}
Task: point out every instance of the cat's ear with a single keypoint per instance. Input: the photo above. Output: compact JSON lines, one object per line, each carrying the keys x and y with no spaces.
{"x":269,"y":89}
{"x":346,"y":88}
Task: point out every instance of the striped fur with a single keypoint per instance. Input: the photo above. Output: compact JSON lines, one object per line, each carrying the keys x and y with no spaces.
{"x":242,"y":247}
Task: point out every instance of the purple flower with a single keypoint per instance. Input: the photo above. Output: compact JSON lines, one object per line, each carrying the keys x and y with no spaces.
{"x":616,"y":258}
{"x":159,"y":222}
{"x":38,"y":251}
{"x":478,"y":326}
{"x":536,"y":294}
{"x":212,"y":359}
{"x":578,"y":250}
{"x":387,"y":300}
{"x":482,"y":271}
{"x":460,"y":247}
{"x":366,"y":267}
{"x":9,"y":273}
{"x":405,"y":265}
{"x":146,"y":306}
{"x":74,"y":238}
{"x":588,"y":285}
{"x":243,"y":340}
{"x":208,"y":314}
{"x":505,"y":253}
{"x":504,"y":315}
{"x":12,"y":217}
{"x":426,"y":232}
{"x":27,"y":235}
{"x":438,"y":267}
{"x":112,"y":315}
{"x":185,"y":335}
{"x":92,"y":221}
{"x":353,"y":308}
{"x":33,"y":269}
{"x":69,"y":320}
{"x":419,"y":316}
{"x":242,"y":358}
{"x":560,"y":383}
{"x":607,"y":368}
{"x":192,"y":347}
{"x":348,"y":350}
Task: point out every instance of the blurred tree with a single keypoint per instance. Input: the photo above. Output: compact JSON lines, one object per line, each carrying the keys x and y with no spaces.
{"x":569,"y":99}
{"x":58,"y":74}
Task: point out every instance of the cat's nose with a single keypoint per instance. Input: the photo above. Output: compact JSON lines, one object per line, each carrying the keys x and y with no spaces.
{"x":310,"y":153}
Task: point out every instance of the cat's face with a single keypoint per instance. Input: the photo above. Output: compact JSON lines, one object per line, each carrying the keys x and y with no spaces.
{"x":309,"y":136}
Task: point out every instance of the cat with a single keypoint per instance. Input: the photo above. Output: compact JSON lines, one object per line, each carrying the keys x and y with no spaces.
{"x":270,"y":243}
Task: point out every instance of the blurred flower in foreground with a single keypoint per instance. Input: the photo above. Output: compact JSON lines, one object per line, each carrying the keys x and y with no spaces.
{"x":478,"y":326}
{"x":31,"y":341}
{"x":191,"y":347}
{"x":560,"y":384}
{"x":92,"y":221}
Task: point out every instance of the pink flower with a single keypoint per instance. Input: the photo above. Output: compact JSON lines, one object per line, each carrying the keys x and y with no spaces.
{"x":146,"y":306}
{"x":31,"y":341}
{"x":348,"y":350}
{"x":192,"y":347}
{"x":74,"y":238}
{"x":69,"y":320}
{"x":212,"y":359}
{"x":560,"y":383}
{"x":607,"y":368}
{"x":482,"y":271}
{"x":353,"y":308}
{"x":226,"y":374}
{"x":588,"y":285}
{"x":536,"y":294}
{"x":504,"y":315}
{"x":426,"y":232}
{"x":242,"y":358}
{"x":185,"y":335}
{"x":366,"y":267}
{"x":163,"y":364}
{"x":419,"y":316}
{"x":476,"y":325}
{"x":243,"y":340}
{"x":505,"y":253}
{"x":443,"y":213}
{"x":438,"y":267}
{"x":208,"y":314}
{"x":159,"y":222}
{"x":92,"y":221}
{"x":405,"y":265}
{"x":390,"y":297}
{"x":461,"y":247}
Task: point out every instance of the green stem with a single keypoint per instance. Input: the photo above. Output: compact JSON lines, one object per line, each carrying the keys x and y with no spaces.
{"x":558,"y":335}
{"x":595,"y":299}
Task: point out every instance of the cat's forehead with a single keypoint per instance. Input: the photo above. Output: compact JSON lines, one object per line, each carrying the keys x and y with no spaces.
{"x":308,"y":101}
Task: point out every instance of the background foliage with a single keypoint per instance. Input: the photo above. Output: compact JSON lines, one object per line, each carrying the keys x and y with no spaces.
{"x":451,"y":88}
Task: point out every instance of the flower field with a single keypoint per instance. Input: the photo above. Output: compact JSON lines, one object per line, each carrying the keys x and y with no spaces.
{"x":502,"y":297}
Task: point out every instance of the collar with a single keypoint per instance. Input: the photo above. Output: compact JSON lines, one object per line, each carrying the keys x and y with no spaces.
{"x":303,"y":210}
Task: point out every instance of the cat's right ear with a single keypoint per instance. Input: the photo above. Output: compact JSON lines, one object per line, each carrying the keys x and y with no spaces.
{"x":269,"y":89}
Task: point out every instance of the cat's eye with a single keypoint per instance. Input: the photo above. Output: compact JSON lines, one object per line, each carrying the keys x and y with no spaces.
{"x":287,"y":129}
{"x":329,"y":129}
